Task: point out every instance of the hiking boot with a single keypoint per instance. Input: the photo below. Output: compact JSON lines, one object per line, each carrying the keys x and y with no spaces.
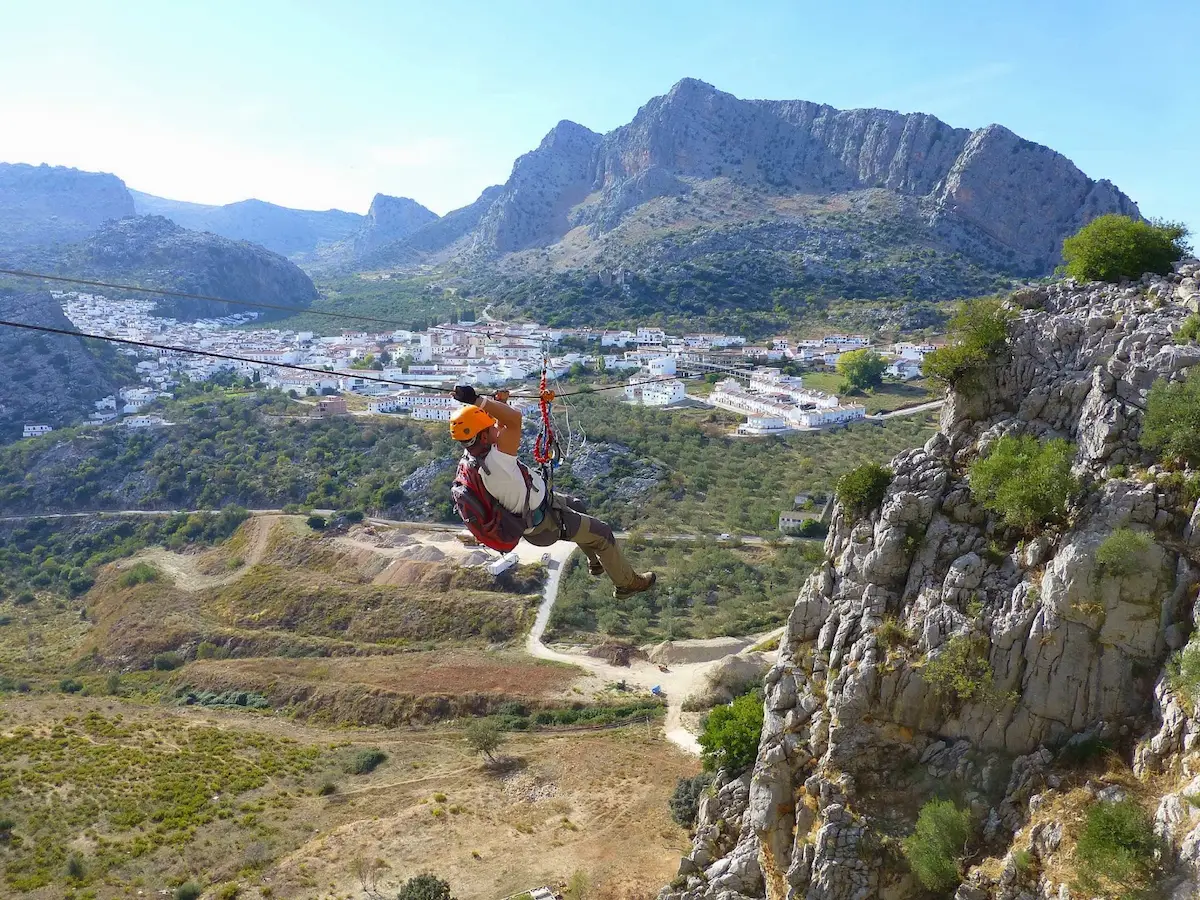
{"x":595,"y":568}
{"x":644,"y":582}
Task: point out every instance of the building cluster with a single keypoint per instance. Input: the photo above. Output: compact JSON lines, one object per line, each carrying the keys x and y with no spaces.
{"x":486,"y":354}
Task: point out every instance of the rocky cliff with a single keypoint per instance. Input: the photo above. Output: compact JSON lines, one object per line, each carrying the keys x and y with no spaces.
{"x":1068,"y":654}
{"x":703,"y":195}
{"x":42,"y":205}
{"x":155,"y":252}
{"x":50,"y":379}
{"x":290,"y":232}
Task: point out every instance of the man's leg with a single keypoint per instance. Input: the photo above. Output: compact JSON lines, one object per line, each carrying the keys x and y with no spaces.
{"x":596,"y":540}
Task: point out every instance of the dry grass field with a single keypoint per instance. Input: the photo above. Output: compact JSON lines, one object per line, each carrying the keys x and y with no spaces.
{"x":110,"y":798}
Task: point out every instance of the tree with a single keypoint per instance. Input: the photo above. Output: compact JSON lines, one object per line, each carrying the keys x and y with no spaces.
{"x":425,"y":887}
{"x":484,"y":736}
{"x":1118,"y":845}
{"x":1172,"y":424}
{"x":1113,"y":247}
{"x":1027,"y":482}
{"x":938,"y":844}
{"x":862,"y":369}
{"x":731,"y":734}
{"x":978,"y":332}
{"x":685,"y":802}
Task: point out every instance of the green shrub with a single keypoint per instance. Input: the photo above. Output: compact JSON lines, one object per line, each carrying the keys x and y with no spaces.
{"x":891,"y":634}
{"x":112,"y":684}
{"x":978,"y":334}
{"x":326,"y":788}
{"x":316,"y":523}
{"x":366,"y":761}
{"x":1121,"y":552}
{"x":70,"y":686}
{"x":1171,"y":426}
{"x":189,"y":890}
{"x":140,"y":573}
{"x":1027,"y":482}
{"x":1112,"y":247}
{"x":939,"y":843}
{"x":862,"y":369}
{"x":353,"y":516}
{"x":424,"y":887}
{"x":862,"y":489}
{"x":961,"y":670}
{"x":24,"y":598}
{"x":1117,"y":842}
{"x":1189,"y":331}
{"x":75,"y":867}
{"x":731,"y":735}
{"x":165,"y":662}
{"x":228,"y":891}
{"x":1183,"y":672}
{"x":6,"y":826}
{"x":685,"y":801}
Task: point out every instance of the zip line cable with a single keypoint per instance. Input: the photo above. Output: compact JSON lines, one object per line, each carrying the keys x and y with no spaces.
{"x":47,"y":329}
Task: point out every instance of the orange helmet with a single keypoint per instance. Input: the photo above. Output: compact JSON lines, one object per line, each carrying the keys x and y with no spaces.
{"x":468,"y":422}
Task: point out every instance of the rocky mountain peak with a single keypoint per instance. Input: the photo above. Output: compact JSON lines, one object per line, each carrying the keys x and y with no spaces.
{"x":41,"y":205}
{"x":858,"y":733}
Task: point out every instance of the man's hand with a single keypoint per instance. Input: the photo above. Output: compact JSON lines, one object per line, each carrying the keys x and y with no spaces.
{"x":464,"y":393}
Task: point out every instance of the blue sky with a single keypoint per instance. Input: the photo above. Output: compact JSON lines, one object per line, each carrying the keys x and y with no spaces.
{"x":323,"y":104}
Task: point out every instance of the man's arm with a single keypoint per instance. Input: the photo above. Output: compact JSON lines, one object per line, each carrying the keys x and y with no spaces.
{"x":510,"y":424}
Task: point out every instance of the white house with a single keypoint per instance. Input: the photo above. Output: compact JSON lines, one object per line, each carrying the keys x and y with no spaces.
{"x":762,"y":425}
{"x":790,"y":521}
{"x":646,"y":337}
{"x":36,"y":430}
{"x":109,"y":402}
{"x":835,"y":415}
{"x":616,"y":338}
{"x":432,"y":413}
{"x":663,"y":393}
{"x":143,"y":422}
{"x":661,"y":367}
{"x":905,"y":369}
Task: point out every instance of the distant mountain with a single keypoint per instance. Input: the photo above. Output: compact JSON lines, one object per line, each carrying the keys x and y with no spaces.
{"x":154,"y":251}
{"x":435,"y":236}
{"x":291,"y":232}
{"x":388,"y":221}
{"x":51,"y":379}
{"x":42,"y":205}
{"x":704,"y":199}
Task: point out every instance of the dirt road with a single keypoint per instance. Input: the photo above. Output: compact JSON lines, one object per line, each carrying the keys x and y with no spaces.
{"x":681,"y":681}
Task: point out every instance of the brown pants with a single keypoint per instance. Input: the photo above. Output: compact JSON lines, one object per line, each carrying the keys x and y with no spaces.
{"x":565,"y":522}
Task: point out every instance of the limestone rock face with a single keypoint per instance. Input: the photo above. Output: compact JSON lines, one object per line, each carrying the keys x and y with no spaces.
{"x":856,"y":736}
{"x":42,"y":205}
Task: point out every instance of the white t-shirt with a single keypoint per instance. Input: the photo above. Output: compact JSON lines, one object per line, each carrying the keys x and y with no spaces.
{"x":504,"y":481}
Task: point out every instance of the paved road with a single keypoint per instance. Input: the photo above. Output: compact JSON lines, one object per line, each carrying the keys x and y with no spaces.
{"x":910,"y":410}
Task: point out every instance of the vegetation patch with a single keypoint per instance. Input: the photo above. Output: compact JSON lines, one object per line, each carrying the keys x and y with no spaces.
{"x":1117,"y":851}
{"x":1112,"y":247}
{"x":936,"y":849}
{"x":1027,"y":482}
{"x":366,"y":761}
{"x":134,"y":787}
{"x":1122,"y":552}
{"x":685,"y":801}
{"x":731,"y":733}
{"x":978,"y":335}
{"x":960,"y":671}
{"x":1171,"y":426}
{"x":862,"y":489}
{"x":708,"y":591}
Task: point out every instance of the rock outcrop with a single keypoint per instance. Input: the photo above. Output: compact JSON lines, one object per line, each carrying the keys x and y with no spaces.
{"x":42,"y":205}
{"x":52,"y":380}
{"x":856,"y":736}
{"x":1003,"y":201}
{"x":156,"y":252}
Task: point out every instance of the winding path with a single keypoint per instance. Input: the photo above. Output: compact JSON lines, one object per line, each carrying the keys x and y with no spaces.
{"x":681,"y":681}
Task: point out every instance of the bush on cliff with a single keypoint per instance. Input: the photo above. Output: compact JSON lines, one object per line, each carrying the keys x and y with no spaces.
{"x":1027,"y":482}
{"x":1113,"y":247}
{"x":861,"y":490}
{"x":1121,"y":552}
{"x":1118,"y":845}
{"x":978,"y":334}
{"x":731,"y":733}
{"x":1172,"y":424}
{"x":939,"y":843}
{"x":685,"y":801}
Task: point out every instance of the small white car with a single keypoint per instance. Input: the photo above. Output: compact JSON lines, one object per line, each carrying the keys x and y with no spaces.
{"x":723,"y":536}
{"x":546,"y":559}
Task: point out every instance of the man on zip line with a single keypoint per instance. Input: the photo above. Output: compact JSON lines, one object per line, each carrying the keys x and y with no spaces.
{"x":501,"y":500}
